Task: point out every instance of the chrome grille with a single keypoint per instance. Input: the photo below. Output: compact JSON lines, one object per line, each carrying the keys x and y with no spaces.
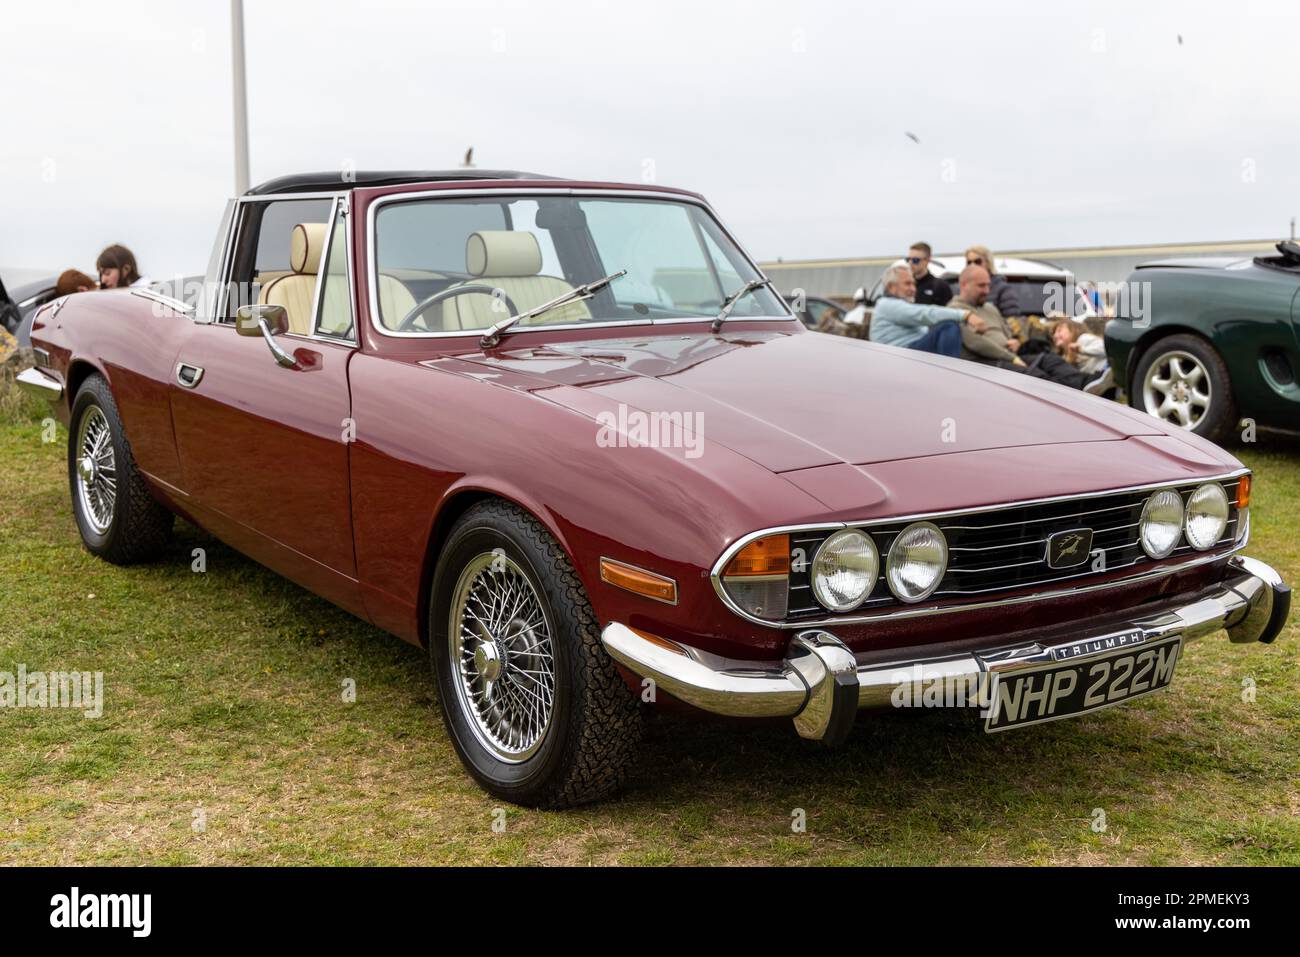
{"x":1005,"y":549}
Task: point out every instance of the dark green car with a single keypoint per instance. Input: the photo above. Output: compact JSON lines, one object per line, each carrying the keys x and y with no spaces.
{"x":1212,"y":341}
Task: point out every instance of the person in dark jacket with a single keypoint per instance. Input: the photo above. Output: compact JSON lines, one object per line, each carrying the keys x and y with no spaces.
{"x":930,"y":289}
{"x":1000,"y":293}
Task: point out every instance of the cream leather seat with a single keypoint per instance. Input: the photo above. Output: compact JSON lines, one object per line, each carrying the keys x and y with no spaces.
{"x":296,"y":290}
{"x":395,"y":300}
{"x":510,"y":261}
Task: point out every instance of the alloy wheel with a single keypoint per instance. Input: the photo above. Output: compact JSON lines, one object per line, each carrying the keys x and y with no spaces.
{"x":1177,"y":389}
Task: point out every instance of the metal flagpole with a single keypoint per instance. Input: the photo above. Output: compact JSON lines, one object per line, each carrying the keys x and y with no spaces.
{"x":241,"y":96}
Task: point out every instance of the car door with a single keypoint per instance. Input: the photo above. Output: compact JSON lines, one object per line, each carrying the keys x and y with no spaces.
{"x":263,"y":447}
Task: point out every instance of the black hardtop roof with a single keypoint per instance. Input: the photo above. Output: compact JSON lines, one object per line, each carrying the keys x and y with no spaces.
{"x":335,"y":179}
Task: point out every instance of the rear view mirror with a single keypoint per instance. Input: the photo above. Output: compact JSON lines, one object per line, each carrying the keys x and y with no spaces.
{"x":266,"y":321}
{"x":248,"y":320}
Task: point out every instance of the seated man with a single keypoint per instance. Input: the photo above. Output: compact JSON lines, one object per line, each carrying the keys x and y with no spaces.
{"x":898,"y":321}
{"x":997,"y":344}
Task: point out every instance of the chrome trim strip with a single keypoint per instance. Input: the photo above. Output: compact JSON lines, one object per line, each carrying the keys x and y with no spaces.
{"x":30,"y":301}
{"x":180,"y":306}
{"x":1050,"y":518}
{"x":372,"y":293}
{"x":321,"y":265}
{"x":221,"y":308}
{"x":278,"y":197}
{"x":715,"y":575}
{"x":1035,"y":541}
{"x":40,"y":384}
{"x":999,"y":568}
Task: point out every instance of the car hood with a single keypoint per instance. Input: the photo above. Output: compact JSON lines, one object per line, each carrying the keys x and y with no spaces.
{"x":795,"y":401}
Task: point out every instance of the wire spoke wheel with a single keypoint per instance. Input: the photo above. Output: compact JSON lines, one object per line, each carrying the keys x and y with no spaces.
{"x":1177,"y":389}
{"x":96,"y":469}
{"x":500,"y":635}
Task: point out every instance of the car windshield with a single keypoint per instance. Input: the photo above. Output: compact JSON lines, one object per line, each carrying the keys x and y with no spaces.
{"x":463,"y":264}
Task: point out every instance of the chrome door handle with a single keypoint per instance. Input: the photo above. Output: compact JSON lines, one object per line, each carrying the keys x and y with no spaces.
{"x":187,"y":375}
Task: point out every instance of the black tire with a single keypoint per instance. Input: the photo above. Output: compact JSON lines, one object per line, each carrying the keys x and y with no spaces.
{"x":1219,"y":417}
{"x":139,"y":527}
{"x":595,"y":721}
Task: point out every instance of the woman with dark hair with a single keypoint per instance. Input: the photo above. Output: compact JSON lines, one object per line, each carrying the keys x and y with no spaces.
{"x":117,"y":269}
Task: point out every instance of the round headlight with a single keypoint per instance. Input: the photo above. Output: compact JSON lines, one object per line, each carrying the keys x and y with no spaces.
{"x":844,"y":570}
{"x":917,"y":560}
{"x":1162,"y":523}
{"x":1207,"y":516}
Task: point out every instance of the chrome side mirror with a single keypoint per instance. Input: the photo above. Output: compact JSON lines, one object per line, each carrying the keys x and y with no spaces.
{"x":266,"y":321}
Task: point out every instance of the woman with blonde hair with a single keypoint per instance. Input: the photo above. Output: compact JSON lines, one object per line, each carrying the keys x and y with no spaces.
{"x":1000,"y":292}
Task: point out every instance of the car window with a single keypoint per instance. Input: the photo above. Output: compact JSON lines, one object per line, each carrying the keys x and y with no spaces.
{"x":727,"y":273}
{"x":458,"y":264}
{"x":657,"y":245}
{"x":412,"y":240}
{"x":335,"y":310}
{"x":261,"y":255}
{"x":276,"y":230}
{"x":817,"y":309}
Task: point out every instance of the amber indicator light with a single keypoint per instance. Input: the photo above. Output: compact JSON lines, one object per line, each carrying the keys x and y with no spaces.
{"x":769,"y":555}
{"x":638,"y":580}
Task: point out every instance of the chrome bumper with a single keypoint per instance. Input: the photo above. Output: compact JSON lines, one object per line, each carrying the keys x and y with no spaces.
{"x":821,"y":685}
{"x":37,"y":383}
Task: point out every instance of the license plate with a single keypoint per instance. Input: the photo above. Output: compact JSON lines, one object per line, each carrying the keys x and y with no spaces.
{"x":1063,"y":689}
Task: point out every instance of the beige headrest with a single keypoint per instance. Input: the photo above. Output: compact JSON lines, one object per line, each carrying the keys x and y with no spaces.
{"x":305,"y":247}
{"x":502,"y":252}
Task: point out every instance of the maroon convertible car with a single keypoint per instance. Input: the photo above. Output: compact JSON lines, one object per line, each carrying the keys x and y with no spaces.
{"x":566,"y":436}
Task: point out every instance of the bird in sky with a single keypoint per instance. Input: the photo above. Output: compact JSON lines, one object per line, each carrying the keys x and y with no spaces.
{"x":469,"y":159}
{"x":912,"y":136}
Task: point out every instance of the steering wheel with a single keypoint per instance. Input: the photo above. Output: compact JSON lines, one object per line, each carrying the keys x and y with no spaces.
{"x":1289,"y":250}
{"x":423,"y":306}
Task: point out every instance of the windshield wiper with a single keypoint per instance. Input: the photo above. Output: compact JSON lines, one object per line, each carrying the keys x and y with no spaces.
{"x":493,"y":334}
{"x":730,"y":302}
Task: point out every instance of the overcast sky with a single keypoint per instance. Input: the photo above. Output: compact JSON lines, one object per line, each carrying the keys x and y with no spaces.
{"x":1039,"y":125}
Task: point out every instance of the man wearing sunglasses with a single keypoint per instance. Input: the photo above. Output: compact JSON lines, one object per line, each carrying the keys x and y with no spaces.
{"x":1000,"y":292}
{"x":930,"y":289}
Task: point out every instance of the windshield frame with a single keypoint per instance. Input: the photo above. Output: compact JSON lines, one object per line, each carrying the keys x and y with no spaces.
{"x":372,"y":264}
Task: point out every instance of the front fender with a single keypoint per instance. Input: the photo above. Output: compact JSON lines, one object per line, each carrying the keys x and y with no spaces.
{"x":427,"y":436}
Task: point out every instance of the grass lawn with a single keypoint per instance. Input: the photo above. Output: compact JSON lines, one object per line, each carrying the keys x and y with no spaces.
{"x":223,"y":704}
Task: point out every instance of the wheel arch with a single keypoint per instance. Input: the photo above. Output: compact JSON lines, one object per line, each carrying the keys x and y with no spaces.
{"x":79,"y":370}
{"x":458,"y":500}
{"x":1150,"y":338}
